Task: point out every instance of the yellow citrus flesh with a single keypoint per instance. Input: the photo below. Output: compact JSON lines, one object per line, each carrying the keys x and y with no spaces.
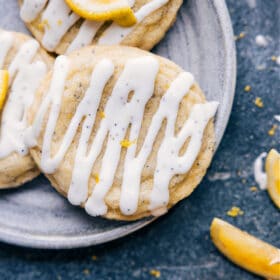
{"x":272,"y":168}
{"x":4,"y":85}
{"x":102,"y":10}
{"x":246,"y":250}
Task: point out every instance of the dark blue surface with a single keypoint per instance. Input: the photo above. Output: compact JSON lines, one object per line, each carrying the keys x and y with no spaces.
{"x":178,"y":244}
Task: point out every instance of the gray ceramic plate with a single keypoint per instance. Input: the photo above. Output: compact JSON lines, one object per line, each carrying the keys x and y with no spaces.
{"x":201,"y":41}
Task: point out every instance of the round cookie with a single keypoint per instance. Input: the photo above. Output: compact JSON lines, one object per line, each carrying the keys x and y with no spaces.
{"x":61,"y":31}
{"x":26,"y":63}
{"x":122,"y":132}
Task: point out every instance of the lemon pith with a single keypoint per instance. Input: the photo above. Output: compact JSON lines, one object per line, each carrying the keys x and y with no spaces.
{"x":272,"y":168}
{"x":102,"y":10}
{"x":4,"y":84}
{"x":246,"y":250}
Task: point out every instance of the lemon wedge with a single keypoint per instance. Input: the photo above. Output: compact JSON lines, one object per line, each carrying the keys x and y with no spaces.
{"x":272,"y":168}
{"x":101,"y":10}
{"x":4,"y":85}
{"x":246,"y":250}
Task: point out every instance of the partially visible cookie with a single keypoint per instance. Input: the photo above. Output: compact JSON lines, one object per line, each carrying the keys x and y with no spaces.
{"x":122,"y":132}
{"x":62,"y":31}
{"x":26,"y":63}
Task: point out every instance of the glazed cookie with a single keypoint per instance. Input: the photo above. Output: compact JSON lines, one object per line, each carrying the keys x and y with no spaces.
{"x":26,"y":63}
{"x":62,"y":31}
{"x":122,"y":132}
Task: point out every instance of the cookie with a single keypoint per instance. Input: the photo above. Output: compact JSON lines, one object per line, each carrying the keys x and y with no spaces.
{"x":122,"y":132}
{"x":61,"y":31}
{"x":26,"y":63}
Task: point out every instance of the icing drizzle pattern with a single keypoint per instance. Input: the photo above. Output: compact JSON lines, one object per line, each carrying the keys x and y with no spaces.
{"x":24,"y":80}
{"x":57,"y":19}
{"x":138,"y":76}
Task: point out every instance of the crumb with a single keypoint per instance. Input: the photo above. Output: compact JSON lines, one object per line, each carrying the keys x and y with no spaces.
{"x":253,"y":189}
{"x":272,"y":131}
{"x":244,"y":181}
{"x":155,"y":273}
{"x":86,"y":271}
{"x":235,"y":211}
{"x":274,"y":58}
{"x":94,"y":258}
{"x":247,"y":88}
{"x":259,"y":102}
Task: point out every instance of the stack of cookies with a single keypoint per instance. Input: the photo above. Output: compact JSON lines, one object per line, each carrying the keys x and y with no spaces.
{"x":116,"y":129}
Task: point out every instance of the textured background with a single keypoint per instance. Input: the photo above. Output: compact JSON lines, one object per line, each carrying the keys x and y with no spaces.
{"x":178,"y":244}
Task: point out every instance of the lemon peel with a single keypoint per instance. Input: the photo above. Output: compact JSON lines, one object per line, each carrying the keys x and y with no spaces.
{"x":4,"y":85}
{"x":272,"y":168}
{"x":246,"y":250}
{"x":102,"y":10}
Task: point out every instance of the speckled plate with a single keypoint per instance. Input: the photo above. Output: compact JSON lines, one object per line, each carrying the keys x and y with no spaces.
{"x":201,"y":41}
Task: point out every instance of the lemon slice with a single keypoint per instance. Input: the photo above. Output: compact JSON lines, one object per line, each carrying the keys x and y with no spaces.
{"x":101,"y":10}
{"x":4,"y":85}
{"x":272,"y":168}
{"x":246,"y":250}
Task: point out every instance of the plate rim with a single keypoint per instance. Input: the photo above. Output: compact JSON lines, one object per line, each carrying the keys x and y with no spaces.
{"x":70,"y":242}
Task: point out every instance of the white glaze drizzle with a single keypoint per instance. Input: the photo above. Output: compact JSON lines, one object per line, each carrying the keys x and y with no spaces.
{"x":115,"y":33}
{"x":59,"y":19}
{"x":259,"y":174}
{"x":86,"y":33}
{"x":24,"y":56}
{"x":138,"y":77}
{"x":57,"y":22}
{"x":13,"y":122}
{"x":24,"y":80}
{"x":261,"y":41}
{"x":31,"y":8}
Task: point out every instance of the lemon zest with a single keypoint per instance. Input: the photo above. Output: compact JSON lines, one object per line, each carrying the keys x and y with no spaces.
{"x":155,"y":273}
{"x":102,"y":115}
{"x":235,"y":211}
{"x":253,"y":189}
{"x":96,"y":178}
{"x":126,"y":143}
{"x":272,"y":131}
{"x":44,"y":24}
{"x":240,"y":36}
{"x":259,"y":102}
